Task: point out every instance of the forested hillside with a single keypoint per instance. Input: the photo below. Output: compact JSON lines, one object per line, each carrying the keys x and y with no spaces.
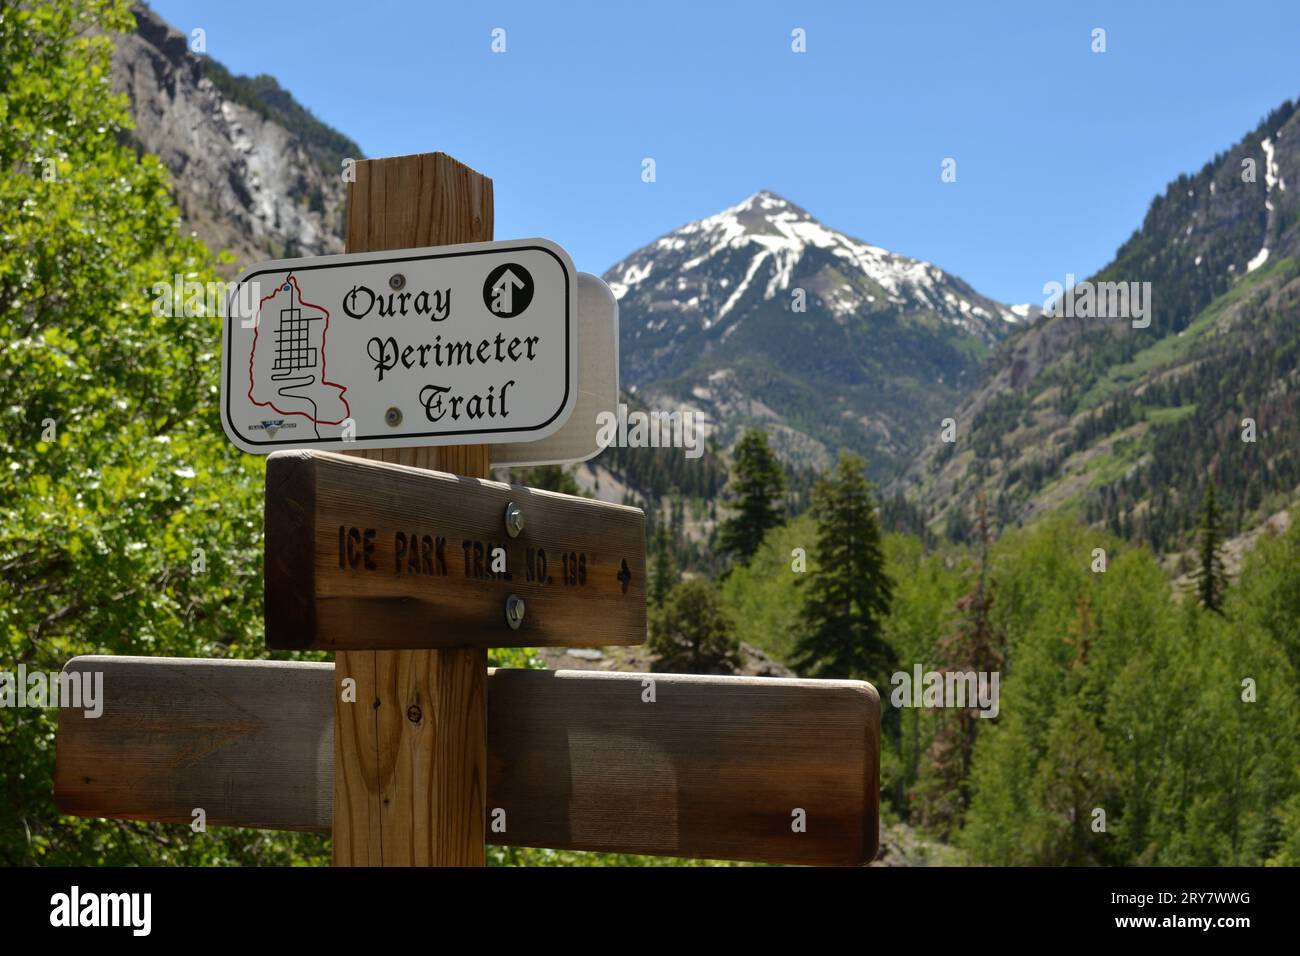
{"x":1128,"y":427}
{"x":1177,"y":723}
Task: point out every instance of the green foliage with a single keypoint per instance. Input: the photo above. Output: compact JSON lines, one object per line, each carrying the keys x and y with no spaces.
{"x":927,"y":587}
{"x":1115,"y":697}
{"x":1118,"y":699}
{"x":764,"y":595}
{"x":128,"y":525}
{"x":848,"y":595}
{"x":757,"y":484}
{"x":973,"y":645}
{"x":694,"y":632}
{"x":660,"y":472}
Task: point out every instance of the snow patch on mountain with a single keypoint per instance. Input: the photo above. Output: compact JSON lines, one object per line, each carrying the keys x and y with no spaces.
{"x":1272,"y":178}
{"x":765,"y":247}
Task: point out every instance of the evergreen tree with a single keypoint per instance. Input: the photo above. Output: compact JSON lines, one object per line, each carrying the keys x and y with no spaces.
{"x":1211,"y":578}
{"x":849,"y":593}
{"x":757,"y":485}
{"x":975,"y":645}
{"x":694,"y":632}
{"x":663,"y":574}
{"x":957,"y":527}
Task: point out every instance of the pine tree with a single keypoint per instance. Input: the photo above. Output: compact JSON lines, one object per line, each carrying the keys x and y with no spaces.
{"x":694,"y":632}
{"x":849,"y":593}
{"x":664,"y":576}
{"x":957,"y":528}
{"x":1211,"y":578}
{"x":975,"y":645}
{"x":757,"y":484}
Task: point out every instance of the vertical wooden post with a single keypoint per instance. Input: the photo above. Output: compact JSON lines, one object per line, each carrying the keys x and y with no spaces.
{"x":410,"y":756}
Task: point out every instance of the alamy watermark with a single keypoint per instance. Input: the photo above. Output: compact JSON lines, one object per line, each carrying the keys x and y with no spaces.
{"x":75,"y":908}
{"x":1099,"y":300}
{"x":82,"y":690}
{"x":653,"y":429}
{"x":960,"y":689}
{"x":189,"y":298}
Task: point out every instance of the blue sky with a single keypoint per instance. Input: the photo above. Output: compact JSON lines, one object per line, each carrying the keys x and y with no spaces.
{"x":1059,"y":150}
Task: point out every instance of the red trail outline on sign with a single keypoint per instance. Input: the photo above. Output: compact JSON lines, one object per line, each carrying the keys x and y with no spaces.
{"x":257,"y":328}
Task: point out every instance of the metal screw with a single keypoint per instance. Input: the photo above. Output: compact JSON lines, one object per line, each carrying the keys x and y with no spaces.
{"x":397,"y":281}
{"x":413,"y":714}
{"x":393,"y":417}
{"x":514,"y":519}
{"x":514,"y":611}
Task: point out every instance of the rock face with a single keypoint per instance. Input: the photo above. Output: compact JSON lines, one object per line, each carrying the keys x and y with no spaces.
{"x":243,"y":182}
{"x":763,"y":315}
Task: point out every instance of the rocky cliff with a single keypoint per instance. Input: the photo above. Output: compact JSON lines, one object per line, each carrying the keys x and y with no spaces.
{"x":243,"y":181}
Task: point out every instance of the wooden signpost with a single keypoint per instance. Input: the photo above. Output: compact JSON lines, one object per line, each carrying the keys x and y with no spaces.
{"x":411,"y":769}
{"x":409,"y":564}
{"x":367,"y":555}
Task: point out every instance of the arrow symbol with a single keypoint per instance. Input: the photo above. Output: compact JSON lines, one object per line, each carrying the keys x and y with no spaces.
{"x":624,"y":575}
{"x":503,"y":292}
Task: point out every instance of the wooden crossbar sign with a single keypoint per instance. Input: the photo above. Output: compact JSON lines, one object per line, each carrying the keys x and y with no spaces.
{"x":409,"y":565}
{"x":368,"y":555}
{"x":744,"y":768}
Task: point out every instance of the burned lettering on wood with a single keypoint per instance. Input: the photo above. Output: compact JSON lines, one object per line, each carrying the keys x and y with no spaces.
{"x":371,"y":556}
{"x":419,"y":554}
{"x":426,"y":555}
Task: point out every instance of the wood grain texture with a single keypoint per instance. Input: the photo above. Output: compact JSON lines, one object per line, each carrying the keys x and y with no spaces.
{"x":410,"y":792}
{"x":249,"y":742}
{"x":425,"y":199}
{"x":368,"y":555}
{"x":713,"y":768}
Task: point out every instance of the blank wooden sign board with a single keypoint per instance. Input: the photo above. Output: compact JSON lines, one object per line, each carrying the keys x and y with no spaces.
{"x":713,"y":767}
{"x":406,"y":749}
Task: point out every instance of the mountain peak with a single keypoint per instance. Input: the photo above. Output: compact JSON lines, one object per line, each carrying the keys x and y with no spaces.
{"x":767,"y":201}
{"x":761,"y":209}
{"x":713,"y":271}
{"x":762,"y":313}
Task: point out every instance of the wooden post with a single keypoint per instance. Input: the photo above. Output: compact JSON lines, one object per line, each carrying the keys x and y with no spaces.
{"x":411,"y":752}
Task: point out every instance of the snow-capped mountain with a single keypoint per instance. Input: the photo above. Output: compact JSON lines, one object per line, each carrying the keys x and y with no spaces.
{"x":761,"y":314}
